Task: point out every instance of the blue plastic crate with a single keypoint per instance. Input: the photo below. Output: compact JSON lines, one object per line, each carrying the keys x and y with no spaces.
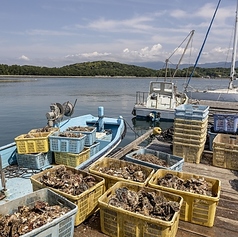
{"x":94,"y":148}
{"x":194,"y":112}
{"x":67,"y":144}
{"x":34,"y":161}
{"x":90,"y":134}
{"x":173,"y":162}
{"x":225,"y":123}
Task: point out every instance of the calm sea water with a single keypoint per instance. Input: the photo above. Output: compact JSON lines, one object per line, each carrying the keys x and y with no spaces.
{"x":25,"y":101}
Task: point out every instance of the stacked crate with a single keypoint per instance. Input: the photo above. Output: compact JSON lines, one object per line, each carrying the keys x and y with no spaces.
{"x":68,"y":150}
{"x":33,"y":148}
{"x":190,"y":131}
{"x":225,"y":151}
{"x":223,"y":123}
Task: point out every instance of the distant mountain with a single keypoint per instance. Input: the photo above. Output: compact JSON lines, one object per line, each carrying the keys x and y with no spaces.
{"x":159,"y":65}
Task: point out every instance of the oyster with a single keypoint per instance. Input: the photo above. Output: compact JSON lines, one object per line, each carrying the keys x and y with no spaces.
{"x":145,"y":203}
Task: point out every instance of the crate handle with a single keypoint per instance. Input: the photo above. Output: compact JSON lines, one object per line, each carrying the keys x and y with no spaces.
{"x":46,"y":167}
{"x":61,"y":202}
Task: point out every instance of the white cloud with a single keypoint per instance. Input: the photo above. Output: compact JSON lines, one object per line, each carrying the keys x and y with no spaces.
{"x":25,"y":58}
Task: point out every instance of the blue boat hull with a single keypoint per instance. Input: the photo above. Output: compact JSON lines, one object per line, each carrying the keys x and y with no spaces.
{"x":19,"y":185}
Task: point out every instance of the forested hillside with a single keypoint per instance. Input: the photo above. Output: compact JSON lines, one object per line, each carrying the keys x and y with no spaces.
{"x":110,"y":69}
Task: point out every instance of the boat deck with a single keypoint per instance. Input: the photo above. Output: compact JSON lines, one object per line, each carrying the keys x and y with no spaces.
{"x":226,"y":218}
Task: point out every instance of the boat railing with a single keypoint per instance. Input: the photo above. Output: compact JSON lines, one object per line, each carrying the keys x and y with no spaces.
{"x":141,"y":97}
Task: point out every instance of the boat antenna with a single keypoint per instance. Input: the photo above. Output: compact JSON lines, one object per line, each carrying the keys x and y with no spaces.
{"x":233,"y":72}
{"x":200,"y":52}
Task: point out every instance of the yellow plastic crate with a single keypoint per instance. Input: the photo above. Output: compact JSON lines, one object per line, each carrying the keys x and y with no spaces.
{"x":190,"y":152}
{"x":226,"y":141}
{"x":111,"y":162}
{"x":32,"y":143}
{"x":190,"y":138}
{"x":225,"y":151}
{"x":71,"y":159}
{"x":195,"y":125}
{"x":196,"y":208}
{"x":117,"y":222}
{"x":189,"y":130}
{"x":87,"y":202}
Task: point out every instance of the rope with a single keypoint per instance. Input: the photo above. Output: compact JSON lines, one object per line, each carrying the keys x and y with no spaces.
{"x":14,"y":171}
{"x":200,"y":52}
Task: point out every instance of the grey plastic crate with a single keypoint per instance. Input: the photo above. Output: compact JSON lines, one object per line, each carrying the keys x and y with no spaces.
{"x":174,"y":162}
{"x":62,"y":226}
{"x":34,"y":161}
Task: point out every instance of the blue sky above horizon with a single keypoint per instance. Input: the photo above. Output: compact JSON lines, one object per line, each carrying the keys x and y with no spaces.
{"x":61,"y":32}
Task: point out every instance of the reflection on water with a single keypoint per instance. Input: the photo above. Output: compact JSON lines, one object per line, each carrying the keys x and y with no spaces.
{"x":25,"y":104}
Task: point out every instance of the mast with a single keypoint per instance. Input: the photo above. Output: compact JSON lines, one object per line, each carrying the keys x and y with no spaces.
{"x":200,"y":52}
{"x":184,"y":51}
{"x":233,"y":64}
{"x":191,"y":33}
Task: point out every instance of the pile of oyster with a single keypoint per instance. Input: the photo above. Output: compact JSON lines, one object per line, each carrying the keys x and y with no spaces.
{"x":68,"y":181}
{"x":145,"y":203}
{"x":45,"y":129}
{"x":131,"y":172}
{"x":79,"y":128}
{"x":70,"y":134}
{"x":151,"y":159}
{"x":193,"y":185}
{"x":27,"y":219}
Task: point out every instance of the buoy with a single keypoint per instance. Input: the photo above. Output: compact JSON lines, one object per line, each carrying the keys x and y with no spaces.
{"x":157,"y":130}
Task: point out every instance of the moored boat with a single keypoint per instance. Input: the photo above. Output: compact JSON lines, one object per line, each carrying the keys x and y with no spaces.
{"x":159,"y":103}
{"x":106,"y":136}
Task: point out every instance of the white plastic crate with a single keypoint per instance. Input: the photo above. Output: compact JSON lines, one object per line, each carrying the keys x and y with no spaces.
{"x":62,"y":226}
{"x":193,"y":112}
{"x":173,"y":162}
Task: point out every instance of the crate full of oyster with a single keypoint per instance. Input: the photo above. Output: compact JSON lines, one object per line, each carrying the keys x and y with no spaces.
{"x":114,"y":170}
{"x":155,"y":159}
{"x":200,"y":194}
{"x":127,"y":209}
{"x":41,"y":213}
{"x":78,"y":186}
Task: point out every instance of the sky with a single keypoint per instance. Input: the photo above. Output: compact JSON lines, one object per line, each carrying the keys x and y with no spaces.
{"x":54,"y":33}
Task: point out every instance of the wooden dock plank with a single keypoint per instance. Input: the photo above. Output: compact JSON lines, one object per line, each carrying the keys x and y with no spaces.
{"x":226,"y":218}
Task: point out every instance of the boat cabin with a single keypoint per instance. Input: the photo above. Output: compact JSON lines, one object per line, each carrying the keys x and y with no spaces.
{"x":161,"y":94}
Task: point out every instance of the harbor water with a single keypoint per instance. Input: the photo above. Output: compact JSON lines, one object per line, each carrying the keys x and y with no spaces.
{"x":25,"y":101}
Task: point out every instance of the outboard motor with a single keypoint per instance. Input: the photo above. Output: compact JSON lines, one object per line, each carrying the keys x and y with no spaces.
{"x":58,"y":111}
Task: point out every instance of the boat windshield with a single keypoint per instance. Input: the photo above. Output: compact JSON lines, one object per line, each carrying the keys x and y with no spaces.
{"x":160,"y":87}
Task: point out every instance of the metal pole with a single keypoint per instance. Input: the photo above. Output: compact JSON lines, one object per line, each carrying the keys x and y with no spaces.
{"x":2,"y":175}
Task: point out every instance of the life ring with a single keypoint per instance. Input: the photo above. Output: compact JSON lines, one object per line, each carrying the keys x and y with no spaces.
{"x":157,"y":130}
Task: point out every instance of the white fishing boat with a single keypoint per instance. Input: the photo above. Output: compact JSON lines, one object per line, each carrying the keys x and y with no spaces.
{"x":159,"y":103}
{"x":163,"y":97}
{"x":229,"y":94}
{"x":16,"y":167}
